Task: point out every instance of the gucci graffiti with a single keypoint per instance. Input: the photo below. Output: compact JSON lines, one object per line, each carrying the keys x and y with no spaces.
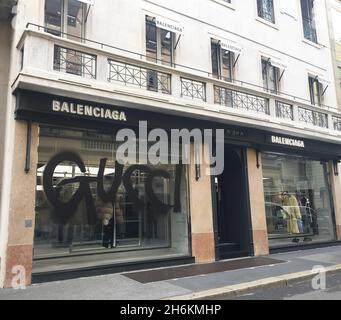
{"x":63,"y":211}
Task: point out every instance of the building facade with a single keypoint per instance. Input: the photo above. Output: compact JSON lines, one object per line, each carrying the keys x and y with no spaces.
{"x":80,"y":71}
{"x":334,"y":13}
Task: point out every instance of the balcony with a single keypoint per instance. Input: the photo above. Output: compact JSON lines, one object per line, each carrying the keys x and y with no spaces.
{"x":95,"y":69}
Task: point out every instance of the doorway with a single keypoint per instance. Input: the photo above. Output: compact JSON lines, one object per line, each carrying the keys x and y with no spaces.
{"x":232,"y":219}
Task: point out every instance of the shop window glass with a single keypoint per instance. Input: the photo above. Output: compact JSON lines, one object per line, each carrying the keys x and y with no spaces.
{"x":297,"y":200}
{"x":117,"y":228}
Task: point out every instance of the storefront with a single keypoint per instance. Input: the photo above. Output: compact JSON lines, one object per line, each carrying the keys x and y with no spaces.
{"x":298,"y":194}
{"x":117,"y":214}
{"x":91,"y":211}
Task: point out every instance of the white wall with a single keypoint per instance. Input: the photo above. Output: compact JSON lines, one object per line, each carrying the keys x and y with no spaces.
{"x":121,"y":23}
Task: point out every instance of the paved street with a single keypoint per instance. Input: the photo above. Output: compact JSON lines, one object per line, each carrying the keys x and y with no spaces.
{"x":299,"y":291}
{"x":121,"y":287}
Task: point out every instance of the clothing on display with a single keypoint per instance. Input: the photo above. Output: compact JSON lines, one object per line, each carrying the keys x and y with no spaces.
{"x":293,"y":213}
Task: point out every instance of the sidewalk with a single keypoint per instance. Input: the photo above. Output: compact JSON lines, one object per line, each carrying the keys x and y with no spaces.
{"x":120,"y":287}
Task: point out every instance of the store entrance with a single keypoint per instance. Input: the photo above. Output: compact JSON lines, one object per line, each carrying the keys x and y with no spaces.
{"x":232,"y":217}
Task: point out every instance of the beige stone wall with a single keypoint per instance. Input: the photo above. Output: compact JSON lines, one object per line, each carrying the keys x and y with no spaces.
{"x":203,"y":242}
{"x":5,"y":39}
{"x":257,"y":204}
{"x":17,"y":236}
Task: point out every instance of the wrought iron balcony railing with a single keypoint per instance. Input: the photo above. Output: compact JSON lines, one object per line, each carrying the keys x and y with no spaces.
{"x":337,"y":123}
{"x":74,"y":62}
{"x":314,"y":118}
{"x":284,"y":110}
{"x":138,"y":76}
{"x":106,"y":64}
{"x":195,"y":90}
{"x":240,"y":100}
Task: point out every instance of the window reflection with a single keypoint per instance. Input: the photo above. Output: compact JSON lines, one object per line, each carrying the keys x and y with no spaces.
{"x":297,"y":200}
{"x":65,"y":17}
{"x":53,"y":16}
{"x":119,"y":226}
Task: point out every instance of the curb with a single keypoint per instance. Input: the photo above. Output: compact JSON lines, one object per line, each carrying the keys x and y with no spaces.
{"x":242,"y":288}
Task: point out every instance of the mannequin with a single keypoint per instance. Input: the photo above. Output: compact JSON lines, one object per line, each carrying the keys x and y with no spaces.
{"x":293,"y":213}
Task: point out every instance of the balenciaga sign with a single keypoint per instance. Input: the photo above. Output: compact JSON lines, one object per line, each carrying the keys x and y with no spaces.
{"x":88,"y":111}
{"x":288,"y":142}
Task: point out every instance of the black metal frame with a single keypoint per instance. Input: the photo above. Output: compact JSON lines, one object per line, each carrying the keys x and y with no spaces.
{"x":284,"y":110}
{"x":337,"y":123}
{"x":240,"y":100}
{"x":75,"y":62}
{"x":28,"y":147}
{"x":141,"y":56}
{"x":315,"y":118}
{"x":193,"y":89}
{"x":138,"y":76}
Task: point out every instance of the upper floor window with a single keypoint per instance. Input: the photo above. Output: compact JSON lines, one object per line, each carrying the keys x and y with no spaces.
{"x":270,"y":75}
{"x":159,"y":43}
{"x":65,"y":17}
{"x":265,"y":10}
{"x":316,"y":91}
{"x":222,"y":61}
{"x":308,"y":18}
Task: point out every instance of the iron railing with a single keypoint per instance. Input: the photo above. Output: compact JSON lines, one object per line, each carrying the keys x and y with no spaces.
{"x":138,"y":55}
{"x":195,"y":90}
{"x":284,"y":110}
{"x":138,"y":76}
{"x":315,"y":118}
{"x":337,"y":123}
{"x":74,"y":62}
{"x":240,"y":100}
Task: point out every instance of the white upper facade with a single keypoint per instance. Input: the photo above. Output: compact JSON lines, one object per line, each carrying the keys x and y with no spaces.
{"x":236,"y":25}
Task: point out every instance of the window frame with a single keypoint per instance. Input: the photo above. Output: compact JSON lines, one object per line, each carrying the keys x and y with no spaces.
{"x":266,"y":67}
{"x":319,"y":94}
{"x":219,"y":58}
{"x":64,"y":21}
{"x":260,"y":12}
{"x":312,"y":20}
{"x":151,"y":21}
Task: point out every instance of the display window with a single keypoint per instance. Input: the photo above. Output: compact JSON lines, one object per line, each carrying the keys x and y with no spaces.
{"x":297,"y":200}
{"x":86,"y":203}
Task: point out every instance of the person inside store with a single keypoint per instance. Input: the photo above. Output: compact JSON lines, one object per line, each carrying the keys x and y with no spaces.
{"x":111,"y":216}
{"x":105,"y":213}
